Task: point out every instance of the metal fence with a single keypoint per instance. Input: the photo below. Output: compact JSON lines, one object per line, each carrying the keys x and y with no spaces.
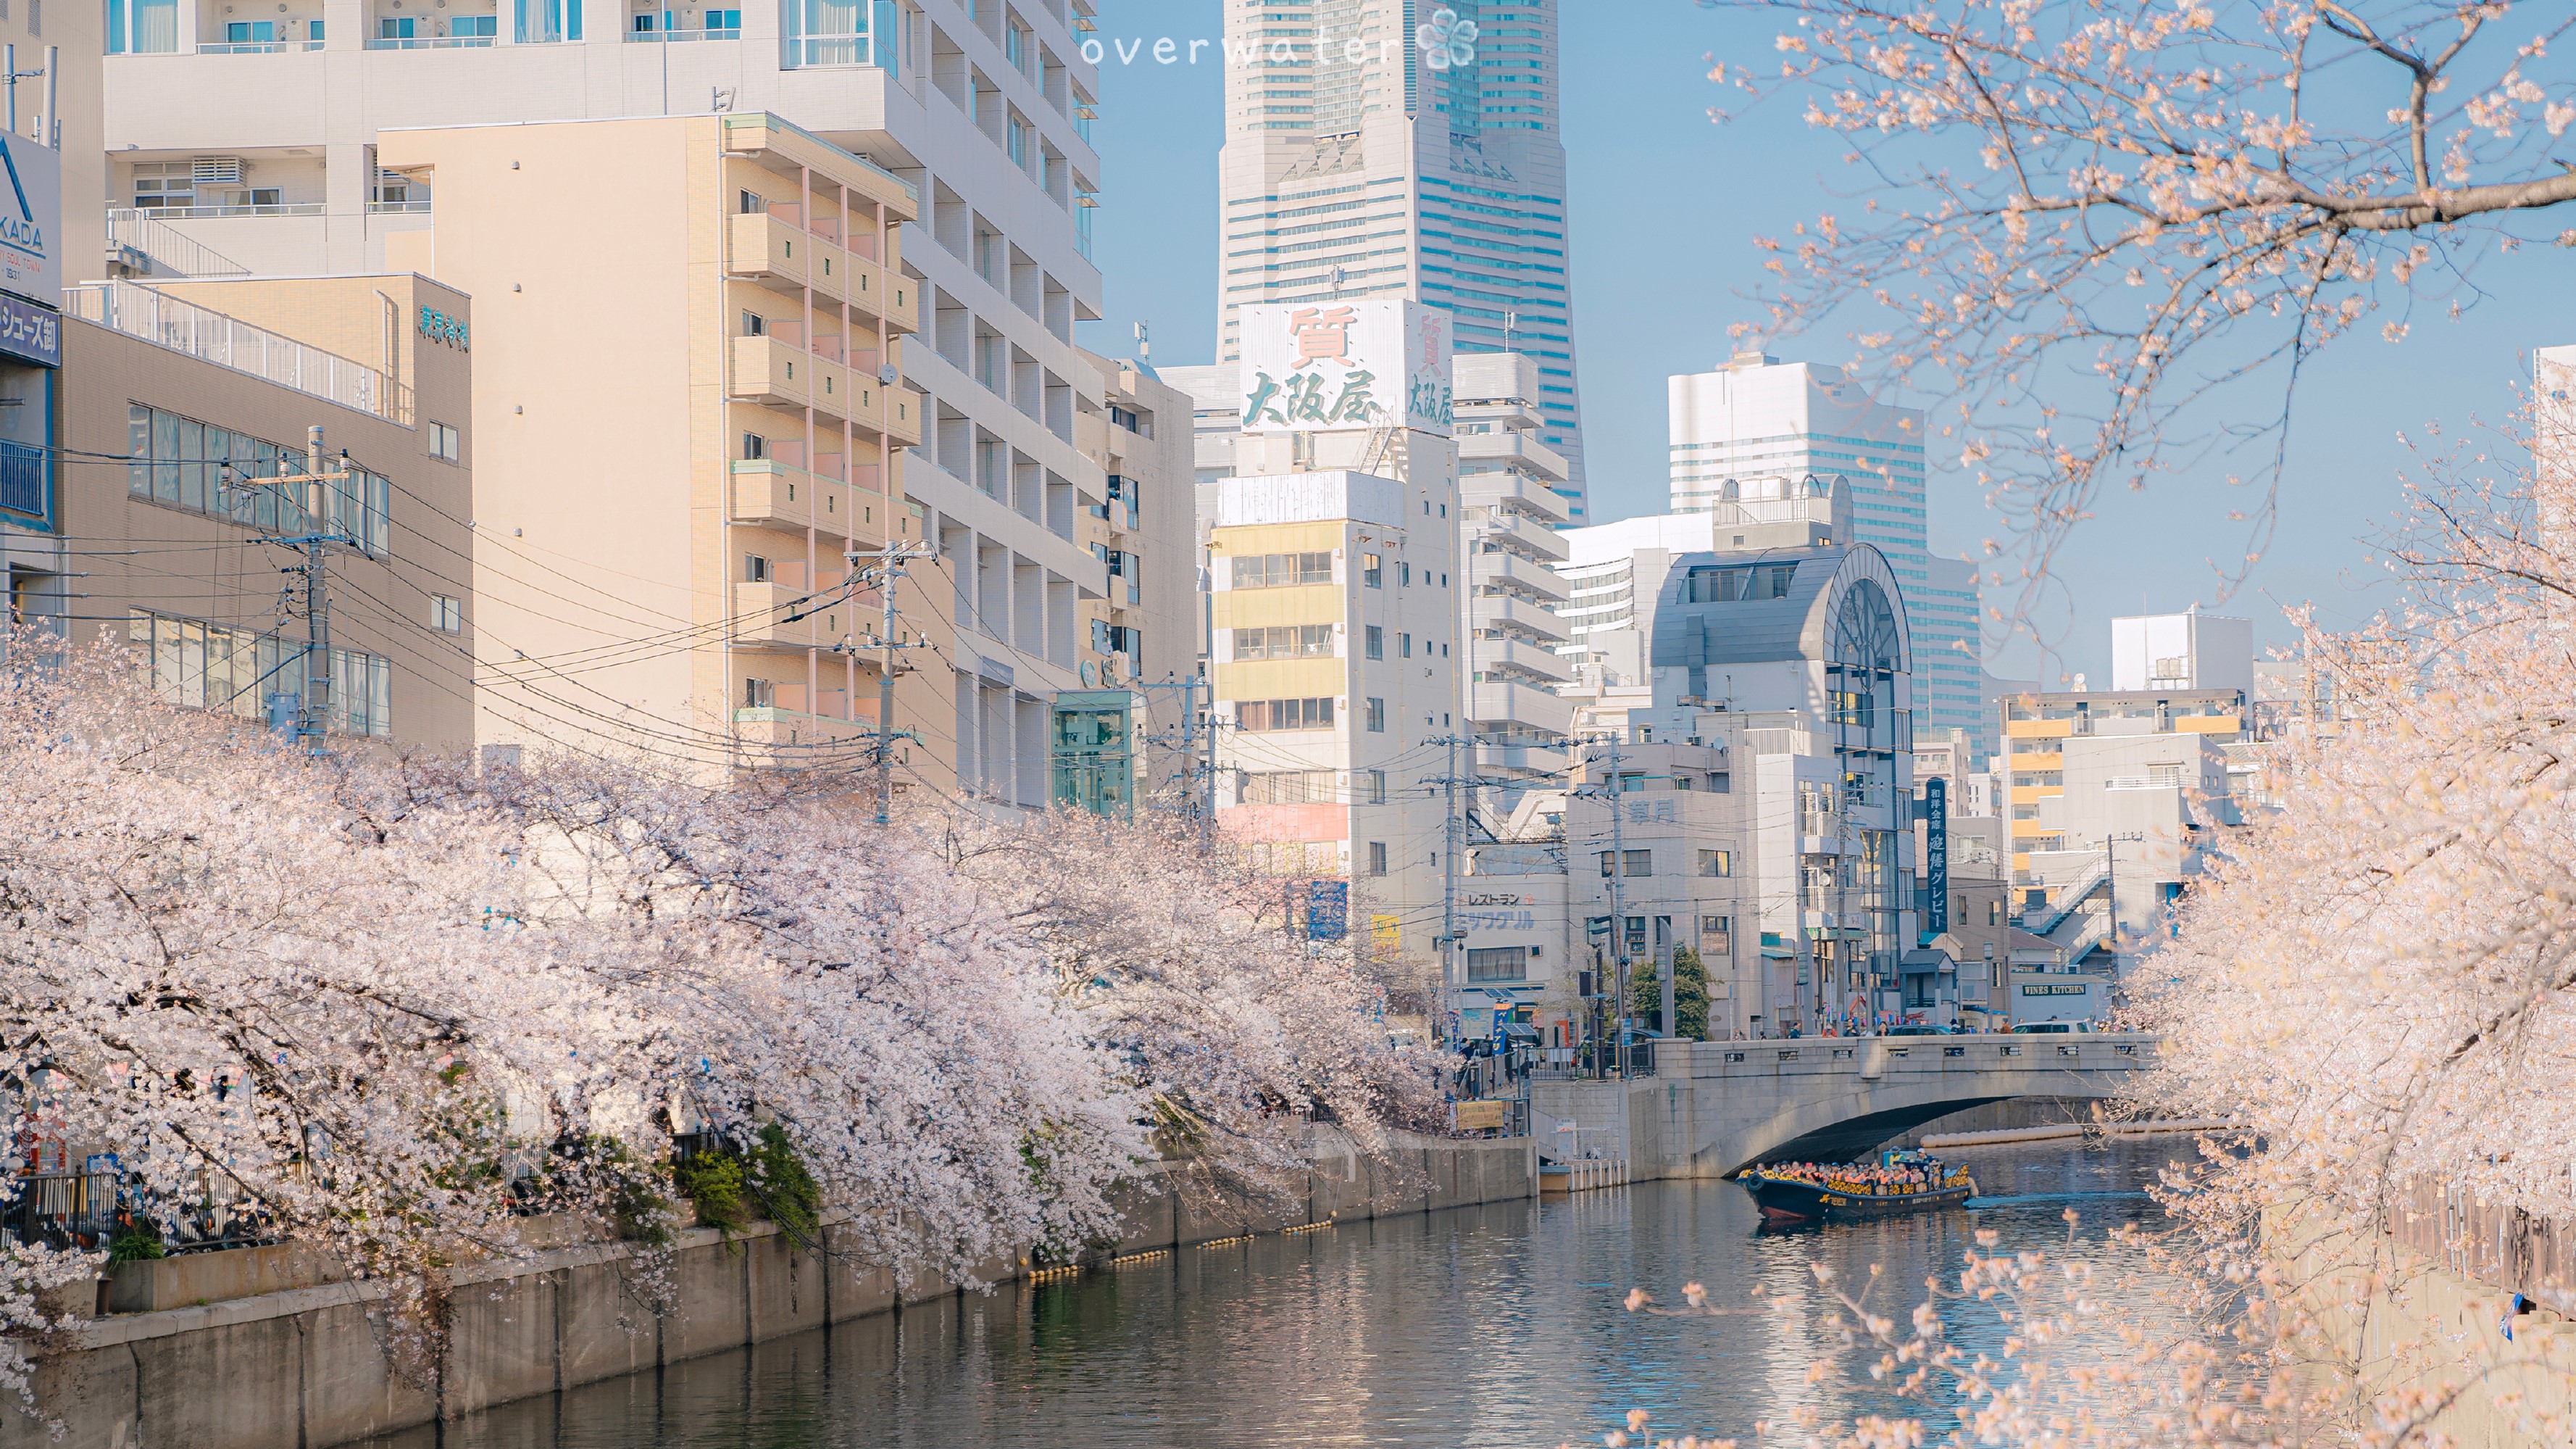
{"x":22,"y":478}
{"x":63,"y":1209}
{"x":166,"y":247}
{"x":140,"y":311}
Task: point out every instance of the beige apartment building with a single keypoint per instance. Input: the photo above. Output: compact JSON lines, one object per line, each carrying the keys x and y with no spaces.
{"x":685,"y":343}
{"x":209,"y":391}
{"x":1144,"y":635}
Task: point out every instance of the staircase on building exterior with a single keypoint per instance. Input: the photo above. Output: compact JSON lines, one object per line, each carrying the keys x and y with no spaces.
{"x":140,"y":245}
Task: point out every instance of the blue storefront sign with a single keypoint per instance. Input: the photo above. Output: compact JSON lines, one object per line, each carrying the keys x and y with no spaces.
{"x":29,"y":332}
{"x":1328,"y":910}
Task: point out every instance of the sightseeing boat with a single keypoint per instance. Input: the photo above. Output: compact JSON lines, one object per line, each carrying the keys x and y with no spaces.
{"x":1836,"y":1193}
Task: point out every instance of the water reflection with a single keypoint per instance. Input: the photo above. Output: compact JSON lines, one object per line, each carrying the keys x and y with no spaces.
{"x":1497,"y":1326}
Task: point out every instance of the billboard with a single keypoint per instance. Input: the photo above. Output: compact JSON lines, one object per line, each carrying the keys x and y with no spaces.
{"x":1323,"y":366}
{"x":31,"y":220}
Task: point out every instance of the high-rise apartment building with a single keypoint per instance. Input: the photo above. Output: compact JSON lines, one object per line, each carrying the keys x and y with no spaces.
{"x":1382,"y":148}
{"x":1510,"y":490}
{"x":278,"y":144}
{"x":1757,"y":426}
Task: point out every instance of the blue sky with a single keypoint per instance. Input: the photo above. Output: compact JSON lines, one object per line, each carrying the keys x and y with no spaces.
{"x":1663,"y":209}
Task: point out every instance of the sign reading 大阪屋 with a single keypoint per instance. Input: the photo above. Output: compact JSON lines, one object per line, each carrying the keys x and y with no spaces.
{"x":1313,"y":367}
{"x":31,"y":213}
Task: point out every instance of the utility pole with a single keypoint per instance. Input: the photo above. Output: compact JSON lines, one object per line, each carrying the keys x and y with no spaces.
{"x":1618,"y":914}
{"x":889,"y":567}
{"x":315,"y":543}
{"x":1449,"y":973}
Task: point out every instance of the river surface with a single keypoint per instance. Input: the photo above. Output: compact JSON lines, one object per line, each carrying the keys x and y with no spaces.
{"x":1500,"y":1325}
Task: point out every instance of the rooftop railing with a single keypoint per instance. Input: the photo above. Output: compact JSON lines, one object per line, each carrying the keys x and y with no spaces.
{"x":201,"y":332}
{"x":167,"y":247}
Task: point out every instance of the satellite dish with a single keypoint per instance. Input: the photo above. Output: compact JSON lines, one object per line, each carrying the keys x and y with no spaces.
{"x":887,"y":374}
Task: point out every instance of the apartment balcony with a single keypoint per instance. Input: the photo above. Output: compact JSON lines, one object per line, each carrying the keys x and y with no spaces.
{"x":1492,"y":611}
{"x":772,"y":249}
{"x":1516,"y":575}
{"x":822,"y":733}
{"x":1523,"y":537}
{"x":791,"y":612}
{"x":1522,"y":448}
{"x":1513,"y":492}
{"x":1491,"y":701}
{"x":1490,"y":657}
{"x":767,"y":492}
{"x":768,"y":248}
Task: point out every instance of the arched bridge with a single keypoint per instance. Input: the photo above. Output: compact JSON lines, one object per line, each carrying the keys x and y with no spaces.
{"x":1715,"y":1107}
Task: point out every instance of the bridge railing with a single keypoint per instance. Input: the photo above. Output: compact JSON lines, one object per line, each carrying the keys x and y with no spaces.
{"x":1874,"y":1056}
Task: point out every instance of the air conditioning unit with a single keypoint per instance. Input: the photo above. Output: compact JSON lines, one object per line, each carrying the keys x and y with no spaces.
{"x":217,"y":170}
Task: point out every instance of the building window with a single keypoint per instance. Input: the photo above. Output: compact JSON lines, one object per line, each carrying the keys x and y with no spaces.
{"x":750,"y":204}
{"x":1376,"y":787}
{"x":1377,"y":857}
{"x":1375,"y":638}
{"x":754,"y":325}
{"x":758,"y":693}
{"x":1404,"y":576}
{"x":755,"y":569}
{"x":446,"y":615}
{"x":445,"y":444}
{"x":183,"y":463}
{"x":543,"y":22}
{"x":1498,"y":963}
{"x":754,"y":447}
{"x":235,"y":671}
{"x":1371,"y":576}
{"x":1286,"y":641}
{"x":1377,"y":716}
{"x":1995,"y":912}
{"x":1639,"y":863}
{"x":1717,"y":862}
{"x":1716,"y":936}
{"x":142,"y":27}
{"x":1288,"y":787}
{"x":1258,"y":715}
{"x":1277,"y":570}
{"x":1404,"y":645}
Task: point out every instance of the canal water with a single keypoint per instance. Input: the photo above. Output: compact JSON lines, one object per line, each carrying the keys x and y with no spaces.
{"x":1500,"y":1325}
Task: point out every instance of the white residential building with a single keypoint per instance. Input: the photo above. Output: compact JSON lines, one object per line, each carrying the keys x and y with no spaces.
{"x":1380,"y":148}
{"x":2189,"y":650}
{"x":1509,"y":484}
{"x":254,"y":142}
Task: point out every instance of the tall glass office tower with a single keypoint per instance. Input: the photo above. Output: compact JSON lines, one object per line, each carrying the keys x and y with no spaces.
{"x":1401,"y":148}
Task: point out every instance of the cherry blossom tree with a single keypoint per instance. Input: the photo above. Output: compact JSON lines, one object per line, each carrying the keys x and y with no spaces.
{"x":2113,"y":235}
{"x":390,"y":1006}
{"x":1183,"y":963}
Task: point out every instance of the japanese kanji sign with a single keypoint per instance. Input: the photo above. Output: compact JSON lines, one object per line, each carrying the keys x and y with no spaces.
{"x":1311,"y":367}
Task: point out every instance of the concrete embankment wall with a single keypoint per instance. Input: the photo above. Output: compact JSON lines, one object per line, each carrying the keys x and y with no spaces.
{"x":305,"y":1366}
{"x":2415,"y":1322}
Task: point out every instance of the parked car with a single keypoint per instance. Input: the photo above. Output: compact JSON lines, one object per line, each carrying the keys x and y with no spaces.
{"x":2051,"y":1028}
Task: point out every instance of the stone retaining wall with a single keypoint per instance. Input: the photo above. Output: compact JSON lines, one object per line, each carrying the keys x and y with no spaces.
{"x":304,"y":1367}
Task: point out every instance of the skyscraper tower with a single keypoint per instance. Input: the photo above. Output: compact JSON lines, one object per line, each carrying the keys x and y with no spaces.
{"x":1397,"y":148}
